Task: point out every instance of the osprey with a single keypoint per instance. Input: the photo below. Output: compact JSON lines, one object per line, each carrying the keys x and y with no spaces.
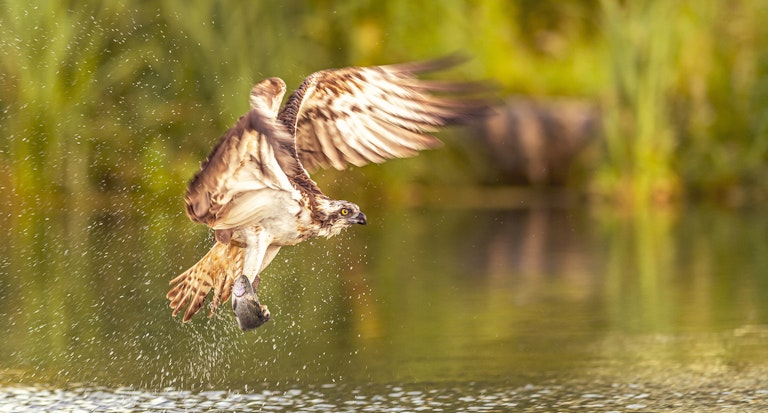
{"x":254,"y":190}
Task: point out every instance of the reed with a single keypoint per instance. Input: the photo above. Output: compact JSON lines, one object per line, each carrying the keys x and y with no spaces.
{"x":108,"y":97}
{"x":684,"y":109}
{"x":638,"y":138}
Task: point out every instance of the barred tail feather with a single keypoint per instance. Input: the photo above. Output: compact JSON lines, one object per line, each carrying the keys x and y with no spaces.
{"x":216,"y":270}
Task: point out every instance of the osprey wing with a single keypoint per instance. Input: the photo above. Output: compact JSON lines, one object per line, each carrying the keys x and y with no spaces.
{"x":359,"y":115}
{"x":243,"y":174}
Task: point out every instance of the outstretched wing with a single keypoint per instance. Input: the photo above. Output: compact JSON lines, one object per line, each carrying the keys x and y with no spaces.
{"x":244,"y":174}
{"x":359,"y":115}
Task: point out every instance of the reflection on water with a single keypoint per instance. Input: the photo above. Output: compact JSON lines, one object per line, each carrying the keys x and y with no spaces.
{"x":525,"y":308}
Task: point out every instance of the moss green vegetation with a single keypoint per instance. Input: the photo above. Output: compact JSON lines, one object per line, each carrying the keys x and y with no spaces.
{"x":116,"y":98}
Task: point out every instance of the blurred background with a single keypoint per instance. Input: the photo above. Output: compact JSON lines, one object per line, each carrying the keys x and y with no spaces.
{"x":653,"y":101}
{"x":605,"y":222}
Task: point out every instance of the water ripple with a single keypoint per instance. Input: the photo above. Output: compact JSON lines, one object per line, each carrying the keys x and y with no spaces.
{"x":412,"y":398}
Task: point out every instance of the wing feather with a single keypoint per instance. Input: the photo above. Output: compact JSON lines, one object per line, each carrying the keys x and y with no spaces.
{"x":245,"y":170}
{"x":360,"y":115}
{"x":326,"y":133}
{"x":358,"y":152}
{"x":403,"y":143}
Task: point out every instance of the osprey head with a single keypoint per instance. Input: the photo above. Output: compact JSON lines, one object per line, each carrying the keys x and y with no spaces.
{"x":335,"y":215}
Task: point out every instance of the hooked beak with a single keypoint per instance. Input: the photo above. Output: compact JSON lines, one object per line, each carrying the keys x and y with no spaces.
{"x":360,"y":219}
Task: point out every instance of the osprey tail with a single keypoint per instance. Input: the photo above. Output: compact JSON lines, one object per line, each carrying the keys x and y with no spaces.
{"x":216,"y":270}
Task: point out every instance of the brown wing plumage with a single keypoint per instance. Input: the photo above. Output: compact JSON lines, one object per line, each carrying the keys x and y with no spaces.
{"x":359,"y":115}
{"x":251,"y":157}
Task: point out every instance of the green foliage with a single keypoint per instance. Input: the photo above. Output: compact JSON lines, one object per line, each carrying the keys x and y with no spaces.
{"x":115,"y":97}
{"x":684,"y":111}
{"x":720,"y":99}
{"x":638,"y":137}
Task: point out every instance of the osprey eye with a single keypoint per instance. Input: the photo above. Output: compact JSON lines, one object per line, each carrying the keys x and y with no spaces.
{"x":344,"y":211}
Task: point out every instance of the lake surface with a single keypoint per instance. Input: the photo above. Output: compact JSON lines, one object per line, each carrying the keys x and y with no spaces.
{"x":424,"y":309}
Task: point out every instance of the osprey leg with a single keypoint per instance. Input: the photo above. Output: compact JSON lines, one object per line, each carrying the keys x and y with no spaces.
{"x":249,"y":311}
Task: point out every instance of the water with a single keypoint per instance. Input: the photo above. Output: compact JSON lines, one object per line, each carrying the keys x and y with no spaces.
{"x":421,"y":310}
{"x":467,"y":397}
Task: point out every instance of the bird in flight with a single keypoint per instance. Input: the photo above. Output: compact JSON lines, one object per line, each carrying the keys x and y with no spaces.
{"x":254,"y":189}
